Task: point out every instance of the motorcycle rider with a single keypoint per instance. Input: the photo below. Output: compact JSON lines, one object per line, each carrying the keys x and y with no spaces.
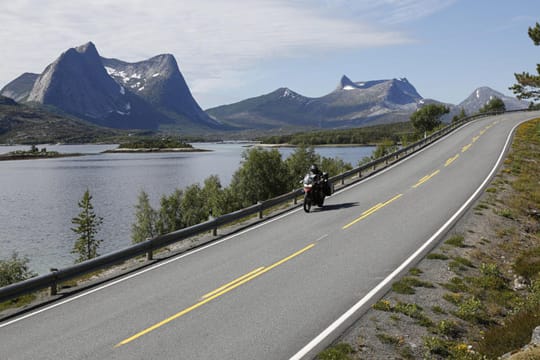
{"x":314,"y":170}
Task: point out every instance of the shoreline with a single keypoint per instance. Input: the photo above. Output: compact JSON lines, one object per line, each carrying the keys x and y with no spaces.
{"x":287,"y":145}
{"x":150,"y":150}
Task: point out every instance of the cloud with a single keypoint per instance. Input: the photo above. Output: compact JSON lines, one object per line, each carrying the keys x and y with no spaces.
{"x":213,"y":40}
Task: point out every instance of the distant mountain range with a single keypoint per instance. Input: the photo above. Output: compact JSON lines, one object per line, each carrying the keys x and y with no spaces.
{"x":351,"y":104}
{"x":152,"y":94}
{"x":145,"y":95}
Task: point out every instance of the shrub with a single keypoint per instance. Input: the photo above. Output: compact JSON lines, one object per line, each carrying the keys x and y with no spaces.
{"x":14,"y":269}
{"x":513,"y":334}
{"x":472,"y":310}
{"x":491,"y":278}
{"x":450,"y":329}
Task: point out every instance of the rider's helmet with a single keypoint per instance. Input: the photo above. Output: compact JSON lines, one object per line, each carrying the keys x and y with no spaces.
{"x":314,"y":169}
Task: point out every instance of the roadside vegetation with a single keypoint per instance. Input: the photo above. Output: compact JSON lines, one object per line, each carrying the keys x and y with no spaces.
{"x":484,"y":301}
{"x":262,"y":175}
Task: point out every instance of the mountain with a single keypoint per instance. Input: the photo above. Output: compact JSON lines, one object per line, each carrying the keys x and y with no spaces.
{"x":351,"y":104}
{"x":482,"y":95}
{"x":159,"y":81}
{"x":20,"y":88}
{"x":150,"y":94}
{"x":22,"y":124}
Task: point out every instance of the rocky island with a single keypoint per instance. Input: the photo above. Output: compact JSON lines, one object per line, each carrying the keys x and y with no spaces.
{"x":154,"y":145}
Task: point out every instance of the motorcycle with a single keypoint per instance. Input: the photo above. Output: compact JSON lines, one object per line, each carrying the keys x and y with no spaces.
{"x":315,"y":189}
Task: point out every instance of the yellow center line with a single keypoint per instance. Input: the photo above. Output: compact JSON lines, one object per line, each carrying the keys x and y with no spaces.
{"x":215,"y":294}
{"x":482,"y":132}
{"x":475,"y":138}
{"x":466,"y":147}
{"x":370,"y":211}
{"x":451,"y":160}
{"x":232,"y":282}
{"x":425,"y":178}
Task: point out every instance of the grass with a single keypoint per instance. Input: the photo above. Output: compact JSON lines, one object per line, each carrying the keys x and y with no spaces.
{"x":407,"y":284}
{"x":456,"y":240}
{"x":456,"y":285}
{"x":341,"y":351}
{"x":437,"y":256}
{"x":528,"y":263}
{"x":18,"y":302}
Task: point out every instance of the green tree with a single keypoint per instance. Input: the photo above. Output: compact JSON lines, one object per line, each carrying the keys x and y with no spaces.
{"x":428,"y":117}
{"x":298,"y":164}
{"x":87,"y":226}
{"x":213,"y":195}
{"x":528,"y":85}
{"x":145,"y":225}
{"x":14,"y":269}
{"x":384,"y":148}
{"x":194,"y":210}
{"x":334,"y":166}
{"x":169,"y":218}
{"x":261,"y":177}
{"x":494,"y":105}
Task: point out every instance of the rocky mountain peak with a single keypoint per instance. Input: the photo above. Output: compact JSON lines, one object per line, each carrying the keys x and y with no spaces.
{"x":482,"y":95}
{"x":114,"y":93}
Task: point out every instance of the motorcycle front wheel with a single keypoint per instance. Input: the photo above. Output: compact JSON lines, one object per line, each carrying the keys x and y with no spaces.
{"x":307,"y":203}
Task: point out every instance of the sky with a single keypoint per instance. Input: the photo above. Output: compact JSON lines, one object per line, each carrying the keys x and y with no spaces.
{"x":231,"y":50}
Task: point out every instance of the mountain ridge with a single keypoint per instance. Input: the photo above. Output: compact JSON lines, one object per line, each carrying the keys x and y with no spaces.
{"x":78,"y":83}
{"x":153,"y":94}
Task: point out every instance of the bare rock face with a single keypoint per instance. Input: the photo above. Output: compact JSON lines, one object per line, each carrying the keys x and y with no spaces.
{"x":158,"y":81}
{"x":114,"y":93}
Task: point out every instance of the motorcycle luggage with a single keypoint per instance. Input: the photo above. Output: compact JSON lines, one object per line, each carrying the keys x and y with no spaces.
{"x":327,"y":188}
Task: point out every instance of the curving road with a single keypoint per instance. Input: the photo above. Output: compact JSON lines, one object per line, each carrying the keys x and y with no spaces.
{"x":282,"y":289}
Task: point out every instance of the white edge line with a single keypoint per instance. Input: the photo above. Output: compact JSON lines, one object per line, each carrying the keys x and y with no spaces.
{"x":191,"y":252}
{"x":336,"y":324}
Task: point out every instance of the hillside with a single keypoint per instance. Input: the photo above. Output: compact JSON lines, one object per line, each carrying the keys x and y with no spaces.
{"x":22,"y":124}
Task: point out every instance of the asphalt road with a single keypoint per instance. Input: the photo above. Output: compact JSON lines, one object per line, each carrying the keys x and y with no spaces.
{"x":276,"y":290}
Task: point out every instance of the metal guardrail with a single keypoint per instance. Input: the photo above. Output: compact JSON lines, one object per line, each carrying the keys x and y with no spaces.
{"x":147,"y":248}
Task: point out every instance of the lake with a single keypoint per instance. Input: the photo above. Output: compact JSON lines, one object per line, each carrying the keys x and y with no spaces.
{"x":38,"y":198}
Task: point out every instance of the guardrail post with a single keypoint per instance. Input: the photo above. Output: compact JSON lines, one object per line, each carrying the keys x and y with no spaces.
{"x":210,"y":218}
{"x":54,"y":285}
{"x":260,"y":209}
{"x":149,"y":253}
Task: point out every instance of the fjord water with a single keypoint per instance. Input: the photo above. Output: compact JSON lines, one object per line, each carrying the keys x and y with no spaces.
{"x":38,"y":198}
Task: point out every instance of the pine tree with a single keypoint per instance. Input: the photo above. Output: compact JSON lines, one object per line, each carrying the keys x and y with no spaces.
{"x":528,"y":85}
{"x":87,"y":225}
